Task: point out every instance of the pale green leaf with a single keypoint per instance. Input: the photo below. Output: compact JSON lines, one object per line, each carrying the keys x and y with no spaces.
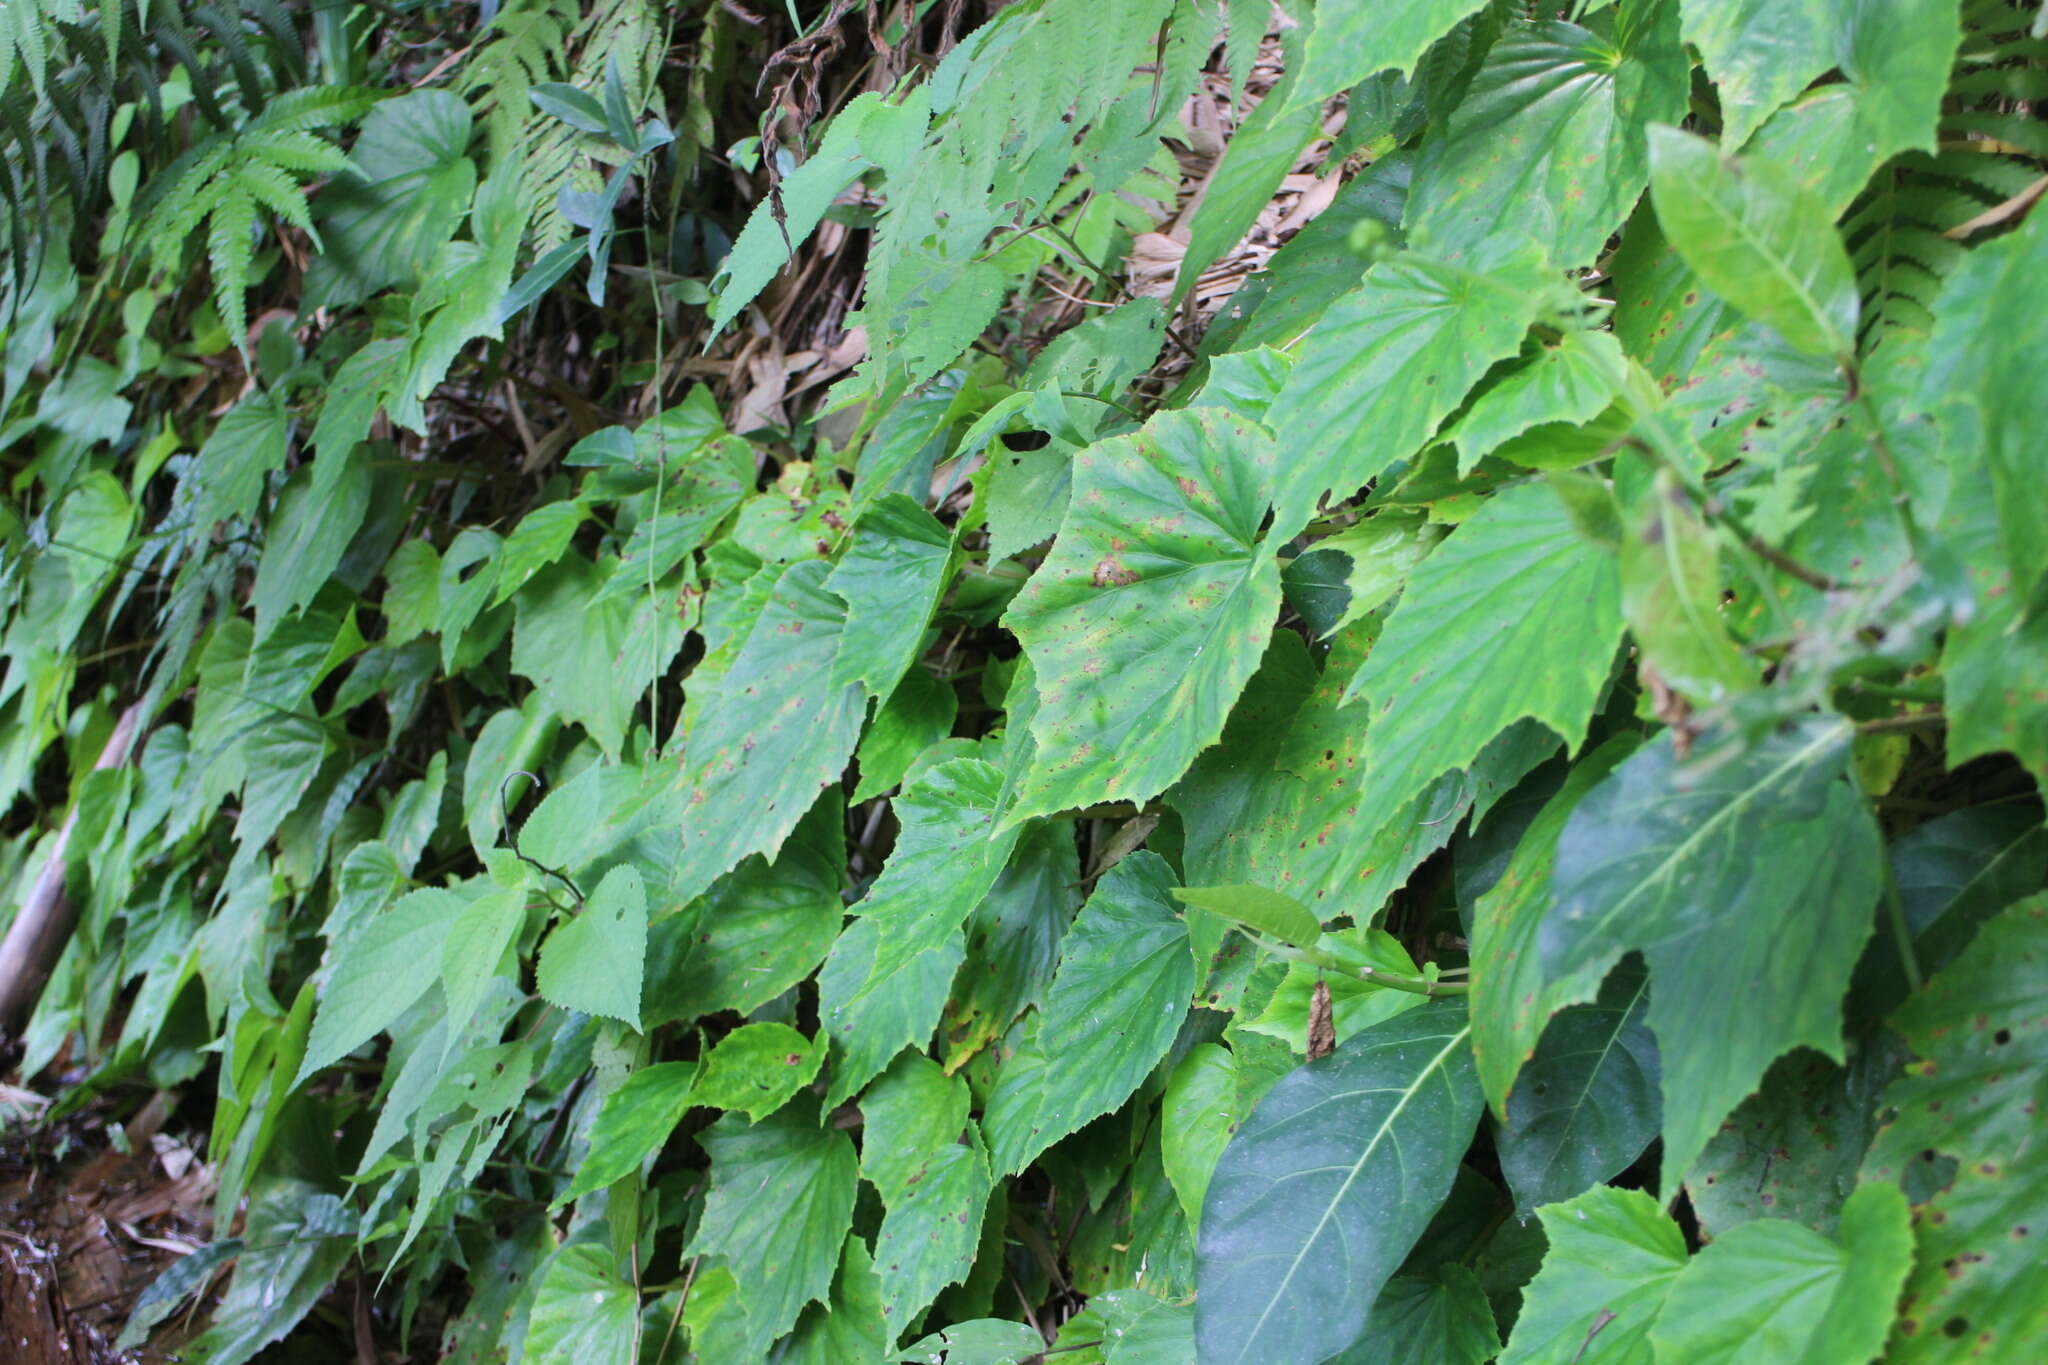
{"x":756,"y":1068}
{"x":1775,"y":1293}
{"x":307,"y":537}
{"x":1196,"y":1120}
{"x":1611,"y":1261}
{"x":1327,"y":1187}
{"x":924,"y":1155}
{"x":474,"y":951}
{"x":593,"y":961}
{"x":1254,"y":907}
{"x":849,"y":1327}
{"x":592,"y":656}
{"x":378,"y":974}
{"x":541,"y":538}
{"x":246,"y":445}
{"x":583,"y":1311}
{"x":1758,"y":239}
{"x":917,"y":715}
{"x":866,"y":1028}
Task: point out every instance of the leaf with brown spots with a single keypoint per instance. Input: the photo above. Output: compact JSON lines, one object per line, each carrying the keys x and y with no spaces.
{"x":1152,"y":609}
{"x":1979,"y":1285}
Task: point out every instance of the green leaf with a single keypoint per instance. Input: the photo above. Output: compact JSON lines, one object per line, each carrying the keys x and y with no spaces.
{"x":1355,"y":1004}
{"x":378,"y":974}
{"x":1164,"y":529}
{"x":768,"y":735}
{"x":246,"y":445}
{"x":1196,"y":1120}
{"x":1772,"y":1291}
{"x":1547,"y":145}
{"x":1758,"y":239}
{"x":1386,"y":364}
{"x":890,"y":578}
{"x":308,"y":536}
{"x":1792,"y":1149}
{"x":1353,"y":39}
{"x":583,"y":1311}
{"x":1978,"y":1288}
{"x":355,"y":393}
{"x":1671,"y":596}
{"x":541,"y":538}
{"x":179,"y":1281}
{"x":924,"y":1155}
{"x":1254,"y":907}
{"x":295,"y":1241}
{"x":1013,"y":938}
{"x":947,"y":856}
{"x":1990,"y":414}
{"x":849,"y":1326}
{"x":866,"y":1028}
{"x":756,"y":1068}
{"x":1514,"y":615}
{"x":591,"y":655}
{"x":1586,"y":1105}
{"x":1260,"y":153}
{"x":405,"y":193}
{"x":1442,"y":1318}
{"x":1327,"y":1187}
{"x":1894,"y":57}
{"x":1762,"y":52}
{"x":761,"y":929}
{"x":474,"y":951}
{"x":1124,"y":983}
{"x":1572,"y":380}
{"x":634,"y":1122}
{"x":918,"y":714}
{"x":1750,"y":885}
{"x":807,"y":1174}
{"x":593,"y":961}
{"x":1612,"y":1258}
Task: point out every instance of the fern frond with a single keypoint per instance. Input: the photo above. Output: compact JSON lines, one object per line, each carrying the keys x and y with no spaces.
{"x":527,"y":43}
{"x":230,"y":250}
{"x":302,"y":152}
{"x":315,"y":106}
{"x":271,"y":187}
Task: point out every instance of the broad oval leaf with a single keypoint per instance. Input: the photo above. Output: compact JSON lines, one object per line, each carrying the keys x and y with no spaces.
{"x":1328,"y":1185}
{"x":583,"y":1311}
{"x":1612,"y":1257}
{"x":595,"y":961}
{"x":635,"y":1120}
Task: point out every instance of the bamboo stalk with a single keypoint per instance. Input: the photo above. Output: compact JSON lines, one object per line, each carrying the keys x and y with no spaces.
{"x":40,"y":931}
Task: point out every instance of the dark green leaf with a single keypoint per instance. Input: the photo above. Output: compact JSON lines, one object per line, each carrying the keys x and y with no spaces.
{"x":1585,"y":1106}
{"x":924,"y":1155}
{"x":1750,"y":885}
{"x":891,"y":579}
{"x":1327,"y":1186}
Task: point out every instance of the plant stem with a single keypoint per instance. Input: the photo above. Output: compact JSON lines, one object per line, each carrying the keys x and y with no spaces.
{"x":1413,"y":985}
{"x":1919,"y":720}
